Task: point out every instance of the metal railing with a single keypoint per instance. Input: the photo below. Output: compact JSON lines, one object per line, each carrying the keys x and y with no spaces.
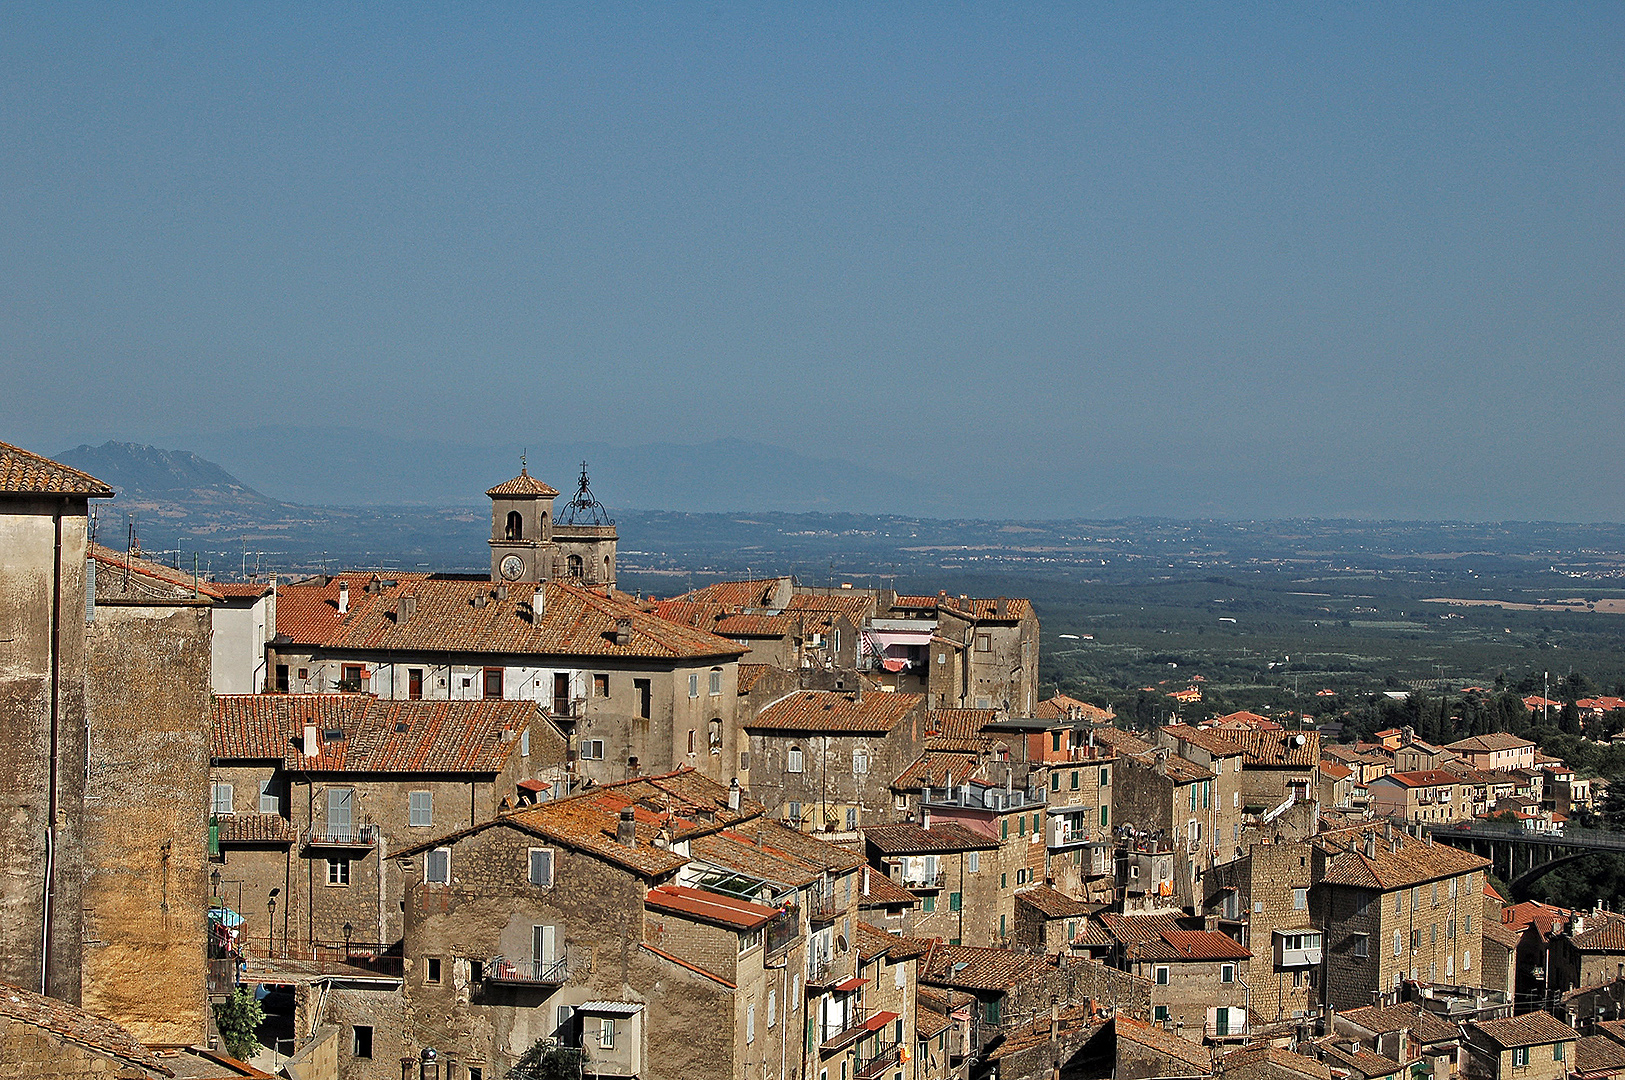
{"x":499,"y":969}
{"x":849,"y":1029}
{"x":926,"y":883}
{"x":821,"y":908}
{"x":883,"y":1058}
{"x":357,"y":835}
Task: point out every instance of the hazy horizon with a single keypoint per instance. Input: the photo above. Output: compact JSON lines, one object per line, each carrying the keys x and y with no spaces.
{"x":1033,"y":261}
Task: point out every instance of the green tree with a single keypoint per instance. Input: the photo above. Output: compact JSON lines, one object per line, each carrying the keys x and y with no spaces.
{"x":547,"y":1061}
{"x":239,"y":1018}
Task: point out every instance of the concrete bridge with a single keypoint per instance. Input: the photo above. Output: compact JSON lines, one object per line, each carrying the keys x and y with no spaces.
{"x":1520,"y":856}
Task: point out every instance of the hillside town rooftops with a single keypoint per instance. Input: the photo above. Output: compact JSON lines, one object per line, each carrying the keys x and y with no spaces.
{"x":908,"y":838}
{"x":1399,"y":861}
{"x":969,"y":967}
{"x":937,"y":769}
{"x":23,"y":472}
{"x":1165,"y":1042}
{"x":876,"y":890}
{"x":1528,"y":1029}
{"x":1217,"y":743}
{"x":709,"y":907}
{"x":1278,"y":749}
{"x":1262,"y":1059}
{"x":836,"y":711}
{"x":128,"y":577}
{"x":1495,"y":740}
{"x":1408,"y":1015}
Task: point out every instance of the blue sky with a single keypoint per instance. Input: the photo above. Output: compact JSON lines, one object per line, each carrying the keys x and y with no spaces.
{"x":1229,"y":260}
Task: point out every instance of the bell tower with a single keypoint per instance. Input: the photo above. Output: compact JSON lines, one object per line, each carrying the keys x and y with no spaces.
{"x":522,"y":546}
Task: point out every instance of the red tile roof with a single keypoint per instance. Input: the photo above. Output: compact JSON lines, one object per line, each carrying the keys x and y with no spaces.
{"x":1495,"y":740}
{"x":1529,"y":1029}
{"x":937,"y":768}
{"x":1051,"y":903}
{"x":379,"y":736}
{"x":23,"y":472}
{"x":573,"y":621}
{"x":74,"y":1025}
{"x":1061,"y":707}
{"x":960,"y":723}
{"x":1421,"y":778}
{"x":230,"y":589}
{"x":1165,"y":1042}
{"x":910,"y":839}
{"x":876,"y":890}
{"x":524,"y":484}
{"x":1217,"y":743}
{"x":827,"y":710}
{"x":969,"y":967}
{"x":709,"y":907}
{"x":148,"y":580}
{"x":750,"y":675}
{"x":1400,"y":861}
{"x":1604,"y":932}
{"x":1269,"y":749}
{"x":755,"y":593}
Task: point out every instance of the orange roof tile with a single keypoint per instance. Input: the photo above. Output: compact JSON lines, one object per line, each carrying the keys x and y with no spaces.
{"x":828,"y":710}
{"x":750,"y":675}
{"x":23,"y":472}
{"x":74,"y":1025}
{"x":755,"y":593}
{"x":709,"y":907}
{"x":524,"y":484}
{"x":1061,"y":707}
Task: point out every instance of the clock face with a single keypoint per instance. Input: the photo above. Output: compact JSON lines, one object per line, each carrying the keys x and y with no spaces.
{"x":512,"y":567}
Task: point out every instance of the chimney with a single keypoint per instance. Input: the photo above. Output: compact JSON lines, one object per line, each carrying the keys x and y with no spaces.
{"x":1371,"y":845}
{"x":312,"y":744}
{"x":405,"y":608}
{"x":1001,"y":607}
{"x":502,"y":591}
{"x":623,"y":631}
{"x":344,"y":598}
{"x":925,"y":818}
{"x":733,"y":794}
{"x":626,"y":832}
{"x":479,"y":599}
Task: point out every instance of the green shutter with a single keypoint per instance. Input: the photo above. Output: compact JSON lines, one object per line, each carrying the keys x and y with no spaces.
{"x":214,"y":837}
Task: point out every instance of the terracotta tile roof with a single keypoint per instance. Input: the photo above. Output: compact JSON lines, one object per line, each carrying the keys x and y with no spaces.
{"x":1401,"y":861}
{"x":77,"y":1026}
{"x":733,"y":851}
{"x":873,"y":941}
{"x":156,"y":581}
{"x":1502,"y":934}
{"x":960,"y":723}
{"x":910,"y":839}
{"x":709,"y":907}
{"x":928,"y":1022}
{"x":1245,"y":719}
{"x":765,"y":626}
{"x":524,"y":484}
{"x":256,"y":829}
{"x":1062,"y":707}
{"x":828,"y":710}
{"x":1529,"y":1029}
{"x":1072,"y":1028}
{"x":23,"y":472}
{"x":1254,"y":1056}
{"x":1380,"y":1019}
{"x":1217,"y":743}
{"x":1165,"y":1042}
{"x":942,"y":999}
{"x":379,"y":736}
{"x":938,"y":769}
{"x":968,"y":967}
{"x":1181,"y":771}
{"x":1278,"y":748}
{"x":1599,"y":1053}
{"x":1204,"y":945}
{"x":1495,"y":740}
{"x":233,"y":589}
{"x":980,"y":608}
{"x":574,"y":621}
{"x":1360,"y":1062}
{"x":1545,"y":918}
{"x":1123,"y":742}
{"x":1420,"y":778}
{"x":1614,"y":1029}
{"x":750,"y":675}
{"x":1604,"y":932}
{"x":755,"y":593}
{"x":882,"y":891}
{"x":1052,"y":903}
{"x":780,"y":838}
{"x":687,"y":612}
{"x":1334,"y":770}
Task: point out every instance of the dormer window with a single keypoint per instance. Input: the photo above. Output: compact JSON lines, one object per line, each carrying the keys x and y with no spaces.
{"x":516,"y":526}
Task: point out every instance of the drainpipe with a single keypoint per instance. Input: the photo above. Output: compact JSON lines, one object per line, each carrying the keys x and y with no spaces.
{"x":48,"y":913}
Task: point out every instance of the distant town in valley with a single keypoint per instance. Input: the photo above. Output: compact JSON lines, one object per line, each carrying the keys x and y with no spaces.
{"x":536,"y":785}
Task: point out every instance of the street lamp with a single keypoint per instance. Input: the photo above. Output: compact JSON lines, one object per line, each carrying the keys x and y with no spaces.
{"x":270,"y":922}
{"x":348,"y":930}
{"x":214,"y":881}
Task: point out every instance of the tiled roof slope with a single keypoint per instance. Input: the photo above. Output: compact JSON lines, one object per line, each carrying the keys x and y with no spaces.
{"x":981,"y":608}
{"x":1277,"y":748}
{"x":1529,"y":1029}
{"x":937,"y":769}
{"x":573,"y":621}
{"x":256,"y":829}
{"x":1605,"y":932}
{"x":876,"y":890}
{"x":1217,"y":743}
{"x":1400,"y":861}
{"x":23,"y":472}
{"x":1420,"y":778}
{"x":1599,"y":1053}
{"x":155,"y":580}
{"x":77,"y":1026}
{"x":709,"y":907}
{"x":1255,"y":1058}
{"x":755,"y":593}
{"x":960,"y":723}
{"x":910,"y":839}
{"x":1380,"y":1019}
{"x":379,"y":735}
{"x":1495,"y":740}
{"x":983,"y":969}
{"x":1061,"y":707}
{"x":1165,"y":1042}
{"x":524,"y":484}
{"x":750,"y":675}
{"x":1051,"y":903}
{"x":830,"y":710}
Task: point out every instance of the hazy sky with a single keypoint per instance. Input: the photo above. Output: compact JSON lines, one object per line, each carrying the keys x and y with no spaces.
{"x":1222,"y":259}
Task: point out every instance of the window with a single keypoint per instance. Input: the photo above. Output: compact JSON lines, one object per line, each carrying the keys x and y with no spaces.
{"x":1433,"y":932}
{"x":282,"y":677}
{"x":592,"y":749}
{"x":541,"y":867}
{"x":1004,"y":829}
{"x":1004,"y":882}
{"x":1362,"y":946}
{"x":1074,"y":779}
{"x":514,"y":528}
{"x":361,"y":1041}
{"x":1159,"y":1013}
{"x":1162,"y":975}
{"x":1001,"y":926}
{"x":1520,"y":1056}
{"x":524,"y":743}
{"x":222,"y":799}
{"x":851,"y":819}
{"x":1399,"y":942}
{"x":1416,"y":939}
{"x":954,"y":901}
{"x":1469,"y":925}
{"x":600,"y":684}
{"x":1227,"y":973}
{"x":1055,"y":781}
{"x":714,"y":730}
{"x":1105,"y":777}
{"x":1105,"y":814}
{"x":1557,"y":1051}
{"x":643,"y":690}
{"x":928,"y":904}
{"x":606,"y":1032}
{"x":772,"y":1007}
{"x":338,"y":871}
{"x":350,"y":675}
{"x":860,"y":761}
{"x":899,"y":976}
{"x":1467,"y":961}
{"x":793,"y":810}
{"x":990,"y":1012}
{"x":1300,"y":899}
{"x":437,"y":866}
{"x":270,"y":801}
{"x":691,"y":743}
{"x":493,"y":683}
{"x":716,"y":681}
{"x":973,"y":861}
{"x":1452,"y":888}
{"x":1399,"y":903}
{"x":1021,"y":825}
{"x":431,"y":969}
{"x":421,"y":808}
{"x":984,"y":642}
{"x":693,"y":686}
{"x":792,"y":760}
{"x":414,"y":683}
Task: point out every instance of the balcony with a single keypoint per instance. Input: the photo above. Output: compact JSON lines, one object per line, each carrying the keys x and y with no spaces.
{"x":500,"y":971}
{"x":355,"y":837}
{"x":1296,"y":950}
{"x":849,"y":1029}
{"x":222,"y":977}
{"x":925,"y":883}
{"x":784,"y":930}
{"x":821,"y":909}
{"x":885,"y":1056}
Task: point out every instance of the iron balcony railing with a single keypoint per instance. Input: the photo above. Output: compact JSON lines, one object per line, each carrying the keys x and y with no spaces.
{"x":328,"y":835}
{"x":845,"y":1031}
{"x":925,"y":882}
{"x":821,"y":908}
{"x":500,"y":969}
{"x":884,"y":1057}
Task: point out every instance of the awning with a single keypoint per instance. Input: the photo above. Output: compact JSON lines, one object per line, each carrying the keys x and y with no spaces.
{"x":879,"y":1020}
{"x":849,"y":984}
{"x":611,"y":1008}
{"x":225,"y":917}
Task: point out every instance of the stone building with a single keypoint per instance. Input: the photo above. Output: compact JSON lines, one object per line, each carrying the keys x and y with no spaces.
{"x":1431,"y":797}
{"x":44,"y":526}
{"x":312,"y":794}
{"x":527,"y":544}
{"x":1533,"y":1046}
{"x":1194,"y":974}
{"x":50,"y":1038}
{"x":1013,"y":818}
{"x":1170,"y":798}
{"x":1046,"y":920}
{"x":825,"y":759}
{"x":148,"y":633}
{"x":1276,"y":766}
{"x":634,"y":692}
{"x":1223,"y":756}
{"x":1262,"y":899}
{"x":949,"y":868}
{"x":984,"y":654}
{"x":1496,"y":751}
{"x":244,"y":624}
{"x":1393,"y":907}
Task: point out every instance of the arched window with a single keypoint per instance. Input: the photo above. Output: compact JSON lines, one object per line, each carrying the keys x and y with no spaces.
{"x":573,"y":566}
{"x":793,"y":760}
{"x":716,"y":736}
{"x":516,"y":526}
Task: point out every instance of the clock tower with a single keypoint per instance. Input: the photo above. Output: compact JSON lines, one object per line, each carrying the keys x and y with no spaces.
{"x":522,"y":544}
